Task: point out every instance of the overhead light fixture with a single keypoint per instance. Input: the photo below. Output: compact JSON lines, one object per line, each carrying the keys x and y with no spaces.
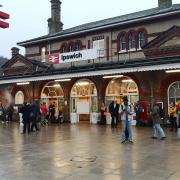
{"x":173,"y":71}
{"x":23,"y":83}
{"x":56,"y":85}
{"x":82,"y":83}
{"x":113,"y":76}
{"x":62,"y":80}
{"x":127,"y":80}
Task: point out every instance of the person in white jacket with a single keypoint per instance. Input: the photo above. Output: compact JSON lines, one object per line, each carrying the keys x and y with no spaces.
{"x":126,"y":112}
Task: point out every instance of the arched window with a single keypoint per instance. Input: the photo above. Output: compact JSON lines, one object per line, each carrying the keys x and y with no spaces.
{"x":122,"y":42}
{"x":71,"y":46}
{"x":77,"y":46}
{"x":132,"y":41}
{"x":64,"y":48}
{"x":141,"y":39}
{"x":174,"y":92}
{"x":19,"y":97}
{"x":52,"y":90}
{"x":84,"y":90}
{"x":120,"y":87}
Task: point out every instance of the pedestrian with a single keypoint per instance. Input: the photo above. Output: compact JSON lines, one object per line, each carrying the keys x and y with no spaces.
{"x":114,"y":111}
{"x":35,"y":114}
{"x":126,"y":112}
{"x":178,"y":113}
{"x":43,"y":113}
{"x":10,"y":111}
{"x":25,"y":110}
{"x":138,"y":110}
{"x":155,"y":115}
{"x":2,"y":113}
{"x":52,"y":109}
{"x":103,"y":114}
{"x":172,"y":116}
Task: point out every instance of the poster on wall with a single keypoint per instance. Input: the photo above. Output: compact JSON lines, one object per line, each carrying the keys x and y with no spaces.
{"x":83,"y":107}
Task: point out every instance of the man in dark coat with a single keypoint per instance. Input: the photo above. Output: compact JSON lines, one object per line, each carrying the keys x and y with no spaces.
{"x":114,"y":111}
{"x":25,"y":110}
{"x":35,"y":114}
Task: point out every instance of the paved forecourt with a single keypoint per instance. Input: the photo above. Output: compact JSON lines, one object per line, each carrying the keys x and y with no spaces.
{"x":87,"y":152}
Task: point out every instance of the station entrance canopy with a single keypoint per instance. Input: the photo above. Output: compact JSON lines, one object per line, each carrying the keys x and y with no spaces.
{"x":10,"y":80}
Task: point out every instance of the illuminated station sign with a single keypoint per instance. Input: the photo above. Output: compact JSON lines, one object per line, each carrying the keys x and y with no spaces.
{"x":3,"y":16}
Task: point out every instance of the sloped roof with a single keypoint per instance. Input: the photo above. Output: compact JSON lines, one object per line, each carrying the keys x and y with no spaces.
{"x":109,"y":68}
{"x":31,"y":61}
{"x":107,"y":23}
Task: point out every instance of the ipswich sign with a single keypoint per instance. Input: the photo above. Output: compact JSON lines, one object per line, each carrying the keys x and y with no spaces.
{"x":72,"y":56}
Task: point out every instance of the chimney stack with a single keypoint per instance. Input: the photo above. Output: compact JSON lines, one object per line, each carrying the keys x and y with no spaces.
{"x":14,"y":51}
{"x":164,"y":4}
{"x":54,"y":23}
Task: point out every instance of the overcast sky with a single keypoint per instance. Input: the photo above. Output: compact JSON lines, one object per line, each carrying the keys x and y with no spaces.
{"x":28,"y":18}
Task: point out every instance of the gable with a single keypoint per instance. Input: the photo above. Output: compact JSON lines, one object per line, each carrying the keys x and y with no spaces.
{"x":174,"y":41}
{"x":166,"y":44}
{"x":18,"y":64}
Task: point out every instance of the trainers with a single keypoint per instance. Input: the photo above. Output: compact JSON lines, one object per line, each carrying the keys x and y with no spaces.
{"x":153,"y":137}
{"x":163,"y":138}
{"x":131,"y":142}
{"x":123,"y":142}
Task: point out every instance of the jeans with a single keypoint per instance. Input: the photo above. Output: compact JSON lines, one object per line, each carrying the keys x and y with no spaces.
{"x":114,"y":121}
{"x":158,"y":131}
{"x":128,"y":125}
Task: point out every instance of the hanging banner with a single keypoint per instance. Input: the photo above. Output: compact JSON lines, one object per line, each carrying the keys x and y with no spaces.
{"x":73,"y":56}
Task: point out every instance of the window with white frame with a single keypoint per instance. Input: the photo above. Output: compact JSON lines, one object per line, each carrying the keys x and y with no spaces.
{"x":141,"y":39}
{"x":122,"y":42}
{"x":63,"y":49}
{"x":77,"y":47}
{"x":132,"y":42}
{"x":174,"y":92}
{"x":98,"y":43}
{"x":71,"y":47}
{"x":43,"y":54}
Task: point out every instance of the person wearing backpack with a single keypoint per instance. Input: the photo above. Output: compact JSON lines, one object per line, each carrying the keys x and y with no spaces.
{"x":126,"y":112}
